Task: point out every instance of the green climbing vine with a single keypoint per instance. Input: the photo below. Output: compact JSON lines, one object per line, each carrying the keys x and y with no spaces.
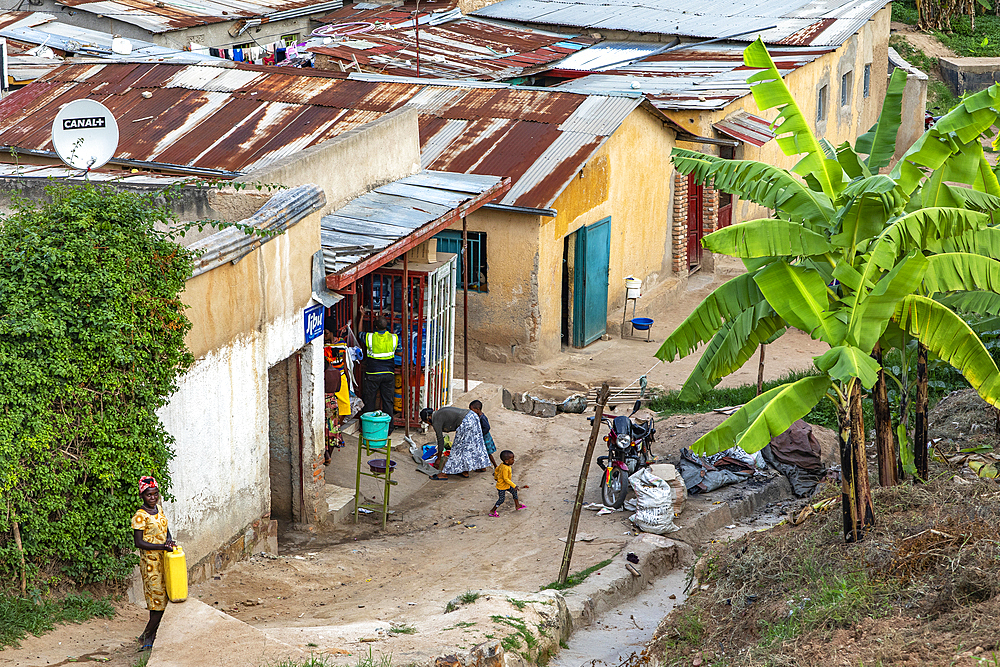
{"x":91,"y":345}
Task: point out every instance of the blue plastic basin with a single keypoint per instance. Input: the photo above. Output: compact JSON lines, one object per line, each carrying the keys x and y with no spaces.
{"x":642,"y":323}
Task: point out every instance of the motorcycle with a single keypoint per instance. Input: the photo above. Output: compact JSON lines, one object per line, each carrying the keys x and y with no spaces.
{"x":628,"y":450}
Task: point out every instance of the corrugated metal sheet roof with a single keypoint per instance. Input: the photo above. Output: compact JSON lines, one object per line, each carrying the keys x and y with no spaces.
{"x":791,"y":22}
{"x":383,"y":40}
{"x":159,"y":16}
{"x":746,"y":127}
{"x":708,"y":77}
{"x":387,"y":214}
{"x":235,"y":120}
{"x":43,"y":29}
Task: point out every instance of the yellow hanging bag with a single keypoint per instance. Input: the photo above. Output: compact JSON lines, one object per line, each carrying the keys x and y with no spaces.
{"x":175,"y":575}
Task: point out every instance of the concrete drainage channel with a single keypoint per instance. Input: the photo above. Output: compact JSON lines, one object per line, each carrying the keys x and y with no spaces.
{"x":571,"y":615}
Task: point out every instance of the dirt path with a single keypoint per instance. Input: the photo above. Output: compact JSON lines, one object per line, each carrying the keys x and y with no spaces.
{"x":440,"y":542}
{"x":929,"y":44}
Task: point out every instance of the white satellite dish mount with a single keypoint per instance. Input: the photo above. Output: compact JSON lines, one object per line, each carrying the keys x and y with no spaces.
{"x":85,"y":134}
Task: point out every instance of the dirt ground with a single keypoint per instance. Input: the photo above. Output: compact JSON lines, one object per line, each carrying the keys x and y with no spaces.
{"x":440,"y":541}
{"x":929,"y":44}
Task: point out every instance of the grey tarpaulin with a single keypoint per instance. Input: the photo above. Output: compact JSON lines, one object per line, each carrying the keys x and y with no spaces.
{"x":700,"y":476}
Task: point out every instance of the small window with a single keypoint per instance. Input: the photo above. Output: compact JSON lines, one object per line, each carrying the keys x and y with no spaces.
{"x":821,"y":104}
{"x":845,"y":89}
{"x":450,"y":240}
{"x":868,"y":79}
{"x":290,"y":39}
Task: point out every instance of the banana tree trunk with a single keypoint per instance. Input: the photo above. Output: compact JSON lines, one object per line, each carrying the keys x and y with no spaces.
{"x":856,"y":500}
{"x":920,"y":421}
{"x":760,"y":372}
{"x":885,"y":441}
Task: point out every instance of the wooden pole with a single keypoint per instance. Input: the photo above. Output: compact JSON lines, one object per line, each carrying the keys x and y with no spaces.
{"x":465,"y":300}
{"x":406,"y":344}
{"x":760,"y":372}
{"x":581,"y":486}
{"x":20,"y":550}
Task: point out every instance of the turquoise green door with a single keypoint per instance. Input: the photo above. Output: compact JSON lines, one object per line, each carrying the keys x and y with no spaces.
{"x":590,"y":282}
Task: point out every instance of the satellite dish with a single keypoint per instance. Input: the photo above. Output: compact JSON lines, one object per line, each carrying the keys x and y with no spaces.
{"x":85,"y":134}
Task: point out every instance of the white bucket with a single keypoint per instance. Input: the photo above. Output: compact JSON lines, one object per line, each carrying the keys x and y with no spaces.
{"x":633,"y":288}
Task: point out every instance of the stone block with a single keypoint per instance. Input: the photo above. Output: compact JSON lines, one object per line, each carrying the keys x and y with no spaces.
{"x":487,"y":654}
{"x":575,"y":404}
{"x":508,"y":400}
{"x":542,"y":408}
{"x":523,"y":403}
{"x":969,"y":75}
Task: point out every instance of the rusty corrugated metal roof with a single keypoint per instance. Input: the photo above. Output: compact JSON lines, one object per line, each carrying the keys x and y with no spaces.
{"x":159,"y":16}
{"x":792,"y":22}
{"x":746,"y":127}
{"x":383,"y":40}
{"x":703,"y":77}
{"x":203,"y":119}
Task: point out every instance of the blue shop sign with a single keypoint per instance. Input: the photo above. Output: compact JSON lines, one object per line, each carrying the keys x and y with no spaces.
{"x":313,"y":316}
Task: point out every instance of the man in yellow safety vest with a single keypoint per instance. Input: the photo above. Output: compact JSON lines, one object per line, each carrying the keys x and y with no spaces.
{"x":380,"y":366}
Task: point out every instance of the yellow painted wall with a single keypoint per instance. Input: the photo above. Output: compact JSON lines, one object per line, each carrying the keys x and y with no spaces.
{"x":870,"y":45}
{"x":628,"y":180}
{"x":272,"y":282}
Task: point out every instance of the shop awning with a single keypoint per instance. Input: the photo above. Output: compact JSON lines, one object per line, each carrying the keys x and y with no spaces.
{"x":381,"y":225}
{"x":746,"y":127}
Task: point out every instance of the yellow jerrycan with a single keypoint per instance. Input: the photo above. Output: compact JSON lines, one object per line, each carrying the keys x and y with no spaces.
{"x":175,"y":575}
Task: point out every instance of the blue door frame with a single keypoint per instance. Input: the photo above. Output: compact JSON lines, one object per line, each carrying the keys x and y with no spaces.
{"x":590,"y":282}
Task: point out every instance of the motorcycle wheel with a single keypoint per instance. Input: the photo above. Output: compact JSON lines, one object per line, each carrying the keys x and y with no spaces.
{"x":614,"y":487}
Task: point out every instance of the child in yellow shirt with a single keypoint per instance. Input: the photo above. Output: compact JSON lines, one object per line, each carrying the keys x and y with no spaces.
{"x":504,"y":483}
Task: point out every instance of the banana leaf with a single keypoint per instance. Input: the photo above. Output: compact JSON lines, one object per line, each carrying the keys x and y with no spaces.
{"x":982,"y":303}
{"x":799,"y":295}
{"x":763,"y":184}
{"x":767,"y":237}
{"x":880,"y":141}
{"x":846,"y":362}
{"x":793,"y":129}
{"x":949,"y":337}
{"x":952,"y":271}
{"x":725,"y":303}
{"x":970,"y":118}
{"x":922,"y":229}
{"x":734,"y":343}
{"x":770,"y":414}
{"x":851,"y":162}
{"x":869,"y":314}
{"x":985,"y":242}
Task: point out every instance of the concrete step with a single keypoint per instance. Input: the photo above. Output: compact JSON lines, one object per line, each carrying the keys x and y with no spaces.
{"x":340,"y":500}
{"x":193,"y":634}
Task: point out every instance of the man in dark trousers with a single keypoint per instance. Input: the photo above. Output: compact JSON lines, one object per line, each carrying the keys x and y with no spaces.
{"x":380,"y":366}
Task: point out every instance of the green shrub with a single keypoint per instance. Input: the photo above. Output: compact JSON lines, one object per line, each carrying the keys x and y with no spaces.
{"x":91,"y":345}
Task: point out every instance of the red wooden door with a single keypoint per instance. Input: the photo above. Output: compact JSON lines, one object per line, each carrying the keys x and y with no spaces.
{"x":694,"y":223}
{"x":725,"y":210}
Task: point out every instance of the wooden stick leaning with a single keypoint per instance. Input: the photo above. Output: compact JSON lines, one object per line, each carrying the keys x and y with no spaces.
{"x":581,"y":487}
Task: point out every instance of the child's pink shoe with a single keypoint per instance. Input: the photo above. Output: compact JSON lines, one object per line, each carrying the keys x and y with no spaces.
{"x":521,"y":507}
{"x":494,"y":513}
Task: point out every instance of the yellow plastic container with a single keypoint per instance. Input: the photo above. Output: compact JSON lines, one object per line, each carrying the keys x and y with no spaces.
{"x":175,"y":574}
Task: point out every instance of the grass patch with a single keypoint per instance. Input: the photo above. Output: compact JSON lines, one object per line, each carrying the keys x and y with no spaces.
{"x":403,"y":629}
{"x":576,"y":578}
{"x":669,"y":403}
{"x":468,"y":597}
{"x":20,"y":617}
{"x":142,"y":660}
{"x":520,"y":604}
{"x":369,"y":660}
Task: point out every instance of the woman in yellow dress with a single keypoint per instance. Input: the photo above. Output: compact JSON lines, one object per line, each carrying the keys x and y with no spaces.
{"x":152,"y":538}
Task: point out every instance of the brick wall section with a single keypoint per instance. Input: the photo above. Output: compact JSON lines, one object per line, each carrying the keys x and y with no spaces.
{"x":709,"y":210}
{"x":678,"y":231}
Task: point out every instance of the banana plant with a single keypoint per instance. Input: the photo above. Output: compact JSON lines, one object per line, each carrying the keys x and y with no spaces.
{"x":842,"y":260}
